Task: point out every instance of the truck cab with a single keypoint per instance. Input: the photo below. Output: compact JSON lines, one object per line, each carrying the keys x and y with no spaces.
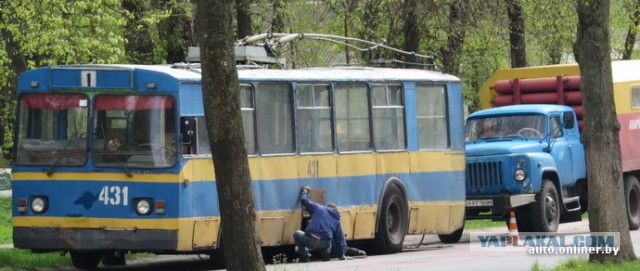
{"x":527,"y":159}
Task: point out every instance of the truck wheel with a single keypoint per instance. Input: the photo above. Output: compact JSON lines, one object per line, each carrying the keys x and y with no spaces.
{"x":545,"y":212}
{"x":85,"y":260}
{"x":451,"y":238}
{"x":392,"y":222}
{"x":523,"y":219}
{"x":632,"y":199}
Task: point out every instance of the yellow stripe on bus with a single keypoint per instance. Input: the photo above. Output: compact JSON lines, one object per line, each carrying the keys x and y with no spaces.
{"x":274,"y":227}
{"x":287,"y":167}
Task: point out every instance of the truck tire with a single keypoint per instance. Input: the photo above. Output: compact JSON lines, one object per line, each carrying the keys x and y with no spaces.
{"x":85,"y":260}
{"x":545,"y":212}
{"x":392,"y":222}
{"x":632,"y":200}
{"x":523,"y":219}
{"x":451,"y":238}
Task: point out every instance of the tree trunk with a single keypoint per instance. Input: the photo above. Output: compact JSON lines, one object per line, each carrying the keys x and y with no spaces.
{"x":457,"y":20}
{"x":516,"y":34}
{"x":410,"y":29}
{"x":220,"y":87}
{"x":607,"y":212}
{"x":243,"y":17}
{"x":630,"y":41}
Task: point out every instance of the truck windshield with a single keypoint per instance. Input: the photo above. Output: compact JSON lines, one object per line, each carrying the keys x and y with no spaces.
{"x":134,"y":131}
{"x":52,"y":129}
{"x":497,"y":127}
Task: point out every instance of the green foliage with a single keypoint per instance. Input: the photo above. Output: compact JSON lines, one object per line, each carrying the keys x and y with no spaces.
{"x":584,"y":264}
{"x":20,"y":259}
{"x":6,"y":228}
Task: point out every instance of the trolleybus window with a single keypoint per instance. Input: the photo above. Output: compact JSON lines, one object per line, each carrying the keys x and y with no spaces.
{"x":314,"y":118}
{"x":134,"y":131}
{"x":431,"y":106}
{"x":52,"y":129}
{"x":352,"y":117}
{"x":388,"y":117}
{"x":274,"y":118}
{"x":246,"y":103}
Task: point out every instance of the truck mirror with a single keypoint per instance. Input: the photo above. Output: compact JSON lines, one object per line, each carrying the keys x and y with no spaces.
{"x":568,"y":120}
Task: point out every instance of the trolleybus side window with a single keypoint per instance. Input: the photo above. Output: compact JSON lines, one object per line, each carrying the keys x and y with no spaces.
{"x":314,"y":118}
{"x":274,"y":118}
{"x":388,"y":117}
{"x":352,"y":117}
{"x":431,"y":107}
{"x":248,"y":123}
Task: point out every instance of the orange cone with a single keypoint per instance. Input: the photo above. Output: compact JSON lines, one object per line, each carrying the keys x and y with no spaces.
{"x":513,"y":229}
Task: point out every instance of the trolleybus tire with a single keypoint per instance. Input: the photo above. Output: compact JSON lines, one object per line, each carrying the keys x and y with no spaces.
{"x":545,"y":211}
{"x":392,"y":222}
{"x":451,"y":238}
{"x":632,"y":201}
{"x":85,"y":259}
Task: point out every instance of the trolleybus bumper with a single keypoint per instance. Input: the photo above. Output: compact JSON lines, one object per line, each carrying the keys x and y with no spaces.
{"x":56,"y":239}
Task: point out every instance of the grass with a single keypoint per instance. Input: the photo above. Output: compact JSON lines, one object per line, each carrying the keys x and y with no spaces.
{"x":584,"y":264}
{"x":6,"y":230}
{"x":483,"y":223}
{"x":20,"y":259}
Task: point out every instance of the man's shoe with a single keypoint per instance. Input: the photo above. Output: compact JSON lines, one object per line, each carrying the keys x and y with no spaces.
{"x":325,"y":256}
{"x":305,"y":259}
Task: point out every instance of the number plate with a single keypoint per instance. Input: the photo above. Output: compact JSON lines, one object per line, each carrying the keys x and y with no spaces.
{"x":479,"y":202}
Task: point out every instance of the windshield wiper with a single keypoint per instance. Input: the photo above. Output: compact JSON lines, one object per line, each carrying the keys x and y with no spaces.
{"x":122,"y":164}
{"x":64,"y":153}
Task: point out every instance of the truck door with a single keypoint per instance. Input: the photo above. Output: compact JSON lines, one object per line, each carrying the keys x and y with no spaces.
{"x":572,"y":135}
{"x":561,"y":151}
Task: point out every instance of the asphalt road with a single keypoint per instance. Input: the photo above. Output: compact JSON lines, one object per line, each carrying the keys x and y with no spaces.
{"x":429,"y":254}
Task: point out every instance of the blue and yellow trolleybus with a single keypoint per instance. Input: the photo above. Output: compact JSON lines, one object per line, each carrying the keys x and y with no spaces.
{"x":111,"y":159}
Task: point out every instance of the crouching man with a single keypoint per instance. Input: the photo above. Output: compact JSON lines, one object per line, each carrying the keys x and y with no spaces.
{"x":324,"y":229}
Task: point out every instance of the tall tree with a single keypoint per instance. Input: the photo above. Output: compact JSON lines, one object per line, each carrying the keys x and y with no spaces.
{"x":243,"y":18}
{"x":177,"y":30}
{"x":630,"y":41}
{"x":410,"y":28}
{"x":607,"y":211}
{"x":140,"y":47}
{"x":516,"y":34}
{"x":220,"y":90}
{"x":452,"y":52}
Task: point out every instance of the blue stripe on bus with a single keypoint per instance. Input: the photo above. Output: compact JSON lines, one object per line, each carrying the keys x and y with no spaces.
{"x":78,"y":199}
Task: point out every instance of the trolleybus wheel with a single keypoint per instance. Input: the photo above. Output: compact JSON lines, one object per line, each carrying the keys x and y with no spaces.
{"x":392,"y":222}
{"x":451,"y":238}
{"x":545,"y":212}
{"x":85,"y":260}
{"x":632,"y":200}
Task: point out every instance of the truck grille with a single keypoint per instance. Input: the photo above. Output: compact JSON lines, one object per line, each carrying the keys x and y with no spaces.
{"x":483,"y":174}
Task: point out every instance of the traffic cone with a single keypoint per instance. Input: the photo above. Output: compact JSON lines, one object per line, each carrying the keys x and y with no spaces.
{"x":513,"y":229}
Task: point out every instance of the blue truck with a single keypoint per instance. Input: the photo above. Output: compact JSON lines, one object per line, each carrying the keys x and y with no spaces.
{"x":523,"y":150}
{"x":527,"y":159}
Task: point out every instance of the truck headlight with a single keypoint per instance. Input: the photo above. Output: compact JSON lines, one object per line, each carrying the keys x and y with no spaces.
{"x":143,"y":207}
{"x":520,"y":175}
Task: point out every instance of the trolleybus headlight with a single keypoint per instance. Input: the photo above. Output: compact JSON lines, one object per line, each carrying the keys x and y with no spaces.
{"x":143,"y":207}
{"x":520,"y":175}
{"x":39,"y":204}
